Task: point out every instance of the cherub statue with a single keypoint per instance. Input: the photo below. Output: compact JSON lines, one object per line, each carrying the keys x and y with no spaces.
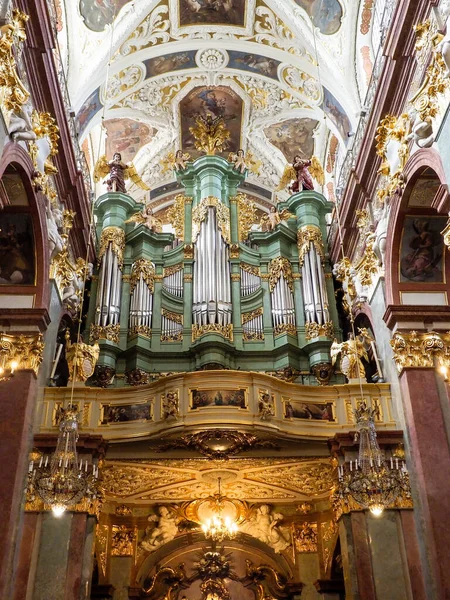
{"x":181,"y":159}
{"x":270,"y":221}
{"x":421,"y":130}
{"x":146,"y":218}
{"x":265,"y":527}
{"x":72,"y":292}
{"x":164,"y":531}
{"x":118,"y":172}
{"x":352,"y":352}
{"x":238,"y":160}
{"x":444,"y":45}
{"x":266,"y":409}
{"x":301,"y":173}
{"x":170,"y":406}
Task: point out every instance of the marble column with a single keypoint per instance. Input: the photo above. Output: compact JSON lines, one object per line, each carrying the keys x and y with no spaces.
{"x":64,"y":558}
{"x":17,"y":401}
{"x":424,"y":400}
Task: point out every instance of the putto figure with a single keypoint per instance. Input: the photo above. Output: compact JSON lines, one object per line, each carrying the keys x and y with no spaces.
{"x":299,"y":175}
{"x":352,"y":352}
{"x":238,"y":160}
{"x":118,"y":172}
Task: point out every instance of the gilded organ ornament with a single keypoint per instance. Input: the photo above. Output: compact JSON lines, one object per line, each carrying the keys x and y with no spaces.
{"x":352,"y":352}
{"x":81,"y":359}
{"x":142,"y":269}
{"x":175,"y":215}
{"x":146,"y":218}
{"x":246,"y":215}
{"x":116,"y":237}
{"x":280,"y":266}
{"x":305,"y":236}
{"x":210,"y":134}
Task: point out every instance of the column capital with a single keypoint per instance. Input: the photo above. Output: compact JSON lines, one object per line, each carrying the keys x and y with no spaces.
{"x":413,"y":350}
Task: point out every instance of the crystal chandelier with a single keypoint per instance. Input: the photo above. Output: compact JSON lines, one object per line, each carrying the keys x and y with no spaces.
{"x":370,"y":480}
{"x":62,"y":481}
{"x":219,"y":528}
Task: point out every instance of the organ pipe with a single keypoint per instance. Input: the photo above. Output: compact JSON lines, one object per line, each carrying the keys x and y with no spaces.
{"x":212,"y":281}
{"x":109,"y":290}
{"x":314,"y":288}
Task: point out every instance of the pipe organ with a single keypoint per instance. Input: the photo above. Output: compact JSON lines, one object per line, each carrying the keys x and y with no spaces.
{"x":112,"y":242}
{"x":250,"y":279}
{"x":212,"y":283}
{"x":226,"y":295}
{"x":141,"y":303}
{"x":173,"y":280}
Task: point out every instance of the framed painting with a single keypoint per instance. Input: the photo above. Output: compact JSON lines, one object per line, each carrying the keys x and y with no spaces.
{"x":17,"y":252}
{"x":218,"y":398}
{"x":317,"y":411}
{"x":124,"y":413}
{"x":422,"y":249}
{"x":236,"y":16}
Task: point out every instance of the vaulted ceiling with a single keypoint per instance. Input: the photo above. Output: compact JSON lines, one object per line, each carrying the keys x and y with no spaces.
{"x":289,"y":76}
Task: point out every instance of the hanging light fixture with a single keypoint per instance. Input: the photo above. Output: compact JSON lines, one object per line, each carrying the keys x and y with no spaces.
{"x":370,"y":480}
{"x":219,"y":528}
{"x":63,"y":481}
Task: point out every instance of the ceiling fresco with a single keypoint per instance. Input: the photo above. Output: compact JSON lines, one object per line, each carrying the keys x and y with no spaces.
{"x":293,"y":136}
{"x":216,"y":102}
{"x":277,"y":70}
{"x":127,"y":137}
{"x":212,"y":12}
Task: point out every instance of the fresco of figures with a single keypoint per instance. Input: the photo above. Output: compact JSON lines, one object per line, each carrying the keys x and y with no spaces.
{"x":97,"y":14}
{"x":124,"y":413}
{"x":325,"y":14}
{"x":202,"y":398}
{"x":127,"y":137}
{"x":294,"y":409}
{"x":212,"y":12}
{"x":291,"y":136}
{"x":422,"y":249}
{"x":16,"y":249}
{"x":219,"y":101}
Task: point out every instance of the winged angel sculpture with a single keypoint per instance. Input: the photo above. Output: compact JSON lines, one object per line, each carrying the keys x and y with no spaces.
{"x":352,"y":352}
{"x":299,"y":176}
{"x":118,"y":172}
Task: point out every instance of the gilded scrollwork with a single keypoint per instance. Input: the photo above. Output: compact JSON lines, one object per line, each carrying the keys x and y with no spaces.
{"x":116,"y":237}
{"x":249,"y":316}
{"x":172,"y":269}
{"x":188,"y":251}
{"x":305,"y":236}
{"x":210,"y":134}
{"x":13,"y":93}
{"x":105,"y":332}
{"x":415,"y":350}
{"x":280,"y":266}
{"x":223,"y":217}
{"x":225,"y":331}
{"x":175,"y":215}
{"x":145,"y":330}
{"x":170,"y":405}
{"x":392,"y":129}
{"x":314,"y":330}
{"x":252,"y":269}
{"x":305,"y":536}
{"x":123,"y":540}
{"x":285,"y":328}
{"x":145,"y":269}
{"x":246,"y":215}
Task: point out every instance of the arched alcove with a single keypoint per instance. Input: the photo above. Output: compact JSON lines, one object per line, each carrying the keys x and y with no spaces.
{"x":24,"y":260}
{"x":417,"y":267}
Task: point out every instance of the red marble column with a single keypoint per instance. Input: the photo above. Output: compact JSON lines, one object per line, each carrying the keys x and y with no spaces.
{"x":30,"y":534}
{"x":76,"y":555}
{"x":17,"y":400}
{"x":412,"y":555}
{"x":362,"y":557}
{"x":430,"y":463}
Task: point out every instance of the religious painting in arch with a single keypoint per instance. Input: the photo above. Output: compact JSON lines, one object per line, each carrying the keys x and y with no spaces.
{"x":88,"y":110}
{"x":177,"y":61}
{"x":326,"y":15}
{"x":127,"y":137}
{"x":422,"y":249}
{"x":292,"y":137}
{"x":97,"y":14}
{"x":337,"y":114}
{"x":17,"y":260}
{"x":254,"y":63}
{"x":212,"y":12}
{"x":215,"y":101}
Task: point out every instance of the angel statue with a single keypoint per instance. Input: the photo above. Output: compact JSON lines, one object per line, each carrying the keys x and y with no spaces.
{"x":146,"y":218}
{"x":352,"y":352}
{"x":118,"y":171}
{"x":301,"y":173}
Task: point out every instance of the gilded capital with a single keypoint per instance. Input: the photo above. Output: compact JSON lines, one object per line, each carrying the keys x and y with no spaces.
{"x":20,"y":352}
{"x":414,"y":350}
{"x":305,"y":236}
